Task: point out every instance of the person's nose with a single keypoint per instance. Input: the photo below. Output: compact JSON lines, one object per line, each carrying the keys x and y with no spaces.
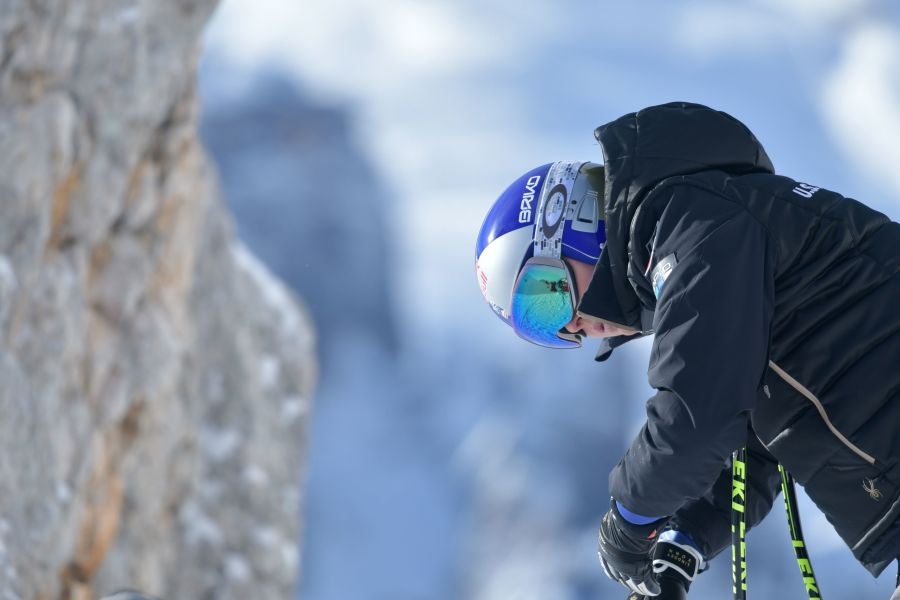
{"x":573,"y":326}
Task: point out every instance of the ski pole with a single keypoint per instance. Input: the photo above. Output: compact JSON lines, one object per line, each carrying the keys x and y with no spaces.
{"x":793,"y":516}
{"x":672,"y":592}
{"x":739,"y":524}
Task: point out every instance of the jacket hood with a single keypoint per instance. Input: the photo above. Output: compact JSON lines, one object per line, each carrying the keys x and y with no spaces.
{"x":640,"y":150}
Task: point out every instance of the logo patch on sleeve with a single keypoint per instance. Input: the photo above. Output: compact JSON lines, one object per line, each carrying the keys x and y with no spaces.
{"x":661,"y":272}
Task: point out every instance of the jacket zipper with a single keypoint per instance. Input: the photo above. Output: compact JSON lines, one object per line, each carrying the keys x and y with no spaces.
{"x":812,"y":398}
{"x":888,"y":516}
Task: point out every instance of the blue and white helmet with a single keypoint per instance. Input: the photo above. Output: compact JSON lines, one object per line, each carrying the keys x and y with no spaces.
{"x":508,"y":236}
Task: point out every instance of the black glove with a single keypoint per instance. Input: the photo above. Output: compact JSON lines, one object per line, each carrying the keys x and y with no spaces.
{"x":675,"y":565}
{"x":625,"y":550}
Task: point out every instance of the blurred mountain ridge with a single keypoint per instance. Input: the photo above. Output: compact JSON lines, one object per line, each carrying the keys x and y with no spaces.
{"x":305,"y":199}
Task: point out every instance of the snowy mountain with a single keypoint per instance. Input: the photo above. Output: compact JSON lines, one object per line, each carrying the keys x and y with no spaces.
{"x":424,"y":468}
{"x":305,"y":199}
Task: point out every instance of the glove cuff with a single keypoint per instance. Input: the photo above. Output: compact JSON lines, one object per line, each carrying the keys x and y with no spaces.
{"x":646,"y":533}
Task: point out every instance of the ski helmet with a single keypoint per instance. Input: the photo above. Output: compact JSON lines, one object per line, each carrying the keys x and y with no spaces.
{"x":550,"y":212}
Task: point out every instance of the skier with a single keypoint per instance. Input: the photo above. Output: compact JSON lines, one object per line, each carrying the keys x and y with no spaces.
{"x":774,"y":309}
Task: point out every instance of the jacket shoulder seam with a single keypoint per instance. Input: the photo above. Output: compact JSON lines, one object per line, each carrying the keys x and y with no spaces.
{"x":684,"y":181}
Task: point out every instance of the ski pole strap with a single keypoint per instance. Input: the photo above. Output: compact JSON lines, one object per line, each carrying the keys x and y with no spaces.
{"x":739,"y":524}
{"x":793,"y":516}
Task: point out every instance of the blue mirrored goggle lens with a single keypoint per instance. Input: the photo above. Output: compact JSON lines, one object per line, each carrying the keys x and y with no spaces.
{"x":542,"y":303}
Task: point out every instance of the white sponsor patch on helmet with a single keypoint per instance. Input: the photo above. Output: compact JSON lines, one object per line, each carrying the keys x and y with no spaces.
{"x":554,"y":204}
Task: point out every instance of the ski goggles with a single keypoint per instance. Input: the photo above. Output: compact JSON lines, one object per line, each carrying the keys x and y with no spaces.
{"x":543,"y":301}
{"x":543,"y":297}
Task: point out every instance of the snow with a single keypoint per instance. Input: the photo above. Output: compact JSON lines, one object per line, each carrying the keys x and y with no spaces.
{"x":237,"y":568}
{"x":127,"y":14}
{"x":271,"y":290}
{"x":271,"y":540}
{"x":269,"y":370}
{"x":8,"y":286}
{"x":489,"y":453}
{"x":199,"y":528}
{"x":255,"y":476}
{"x":266,"y":537}
{"x":292,"y":408}
{"x":290,"y":556}
{"x":861,"y":101}
{"x":816,"y":12}
{"x":219,"y":444}
{"x":63,"y":492}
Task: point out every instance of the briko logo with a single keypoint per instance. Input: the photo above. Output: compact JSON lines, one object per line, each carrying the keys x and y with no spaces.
{"x":528,"y":198}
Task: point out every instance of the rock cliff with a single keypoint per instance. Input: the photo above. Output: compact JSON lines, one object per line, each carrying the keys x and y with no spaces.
{"x":154,"y":378}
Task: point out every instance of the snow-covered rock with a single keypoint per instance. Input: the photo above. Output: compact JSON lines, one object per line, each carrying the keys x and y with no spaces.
{"x":146,"y":363}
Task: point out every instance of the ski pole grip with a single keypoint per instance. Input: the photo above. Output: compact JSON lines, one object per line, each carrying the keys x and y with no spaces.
{"x":670,"y":589}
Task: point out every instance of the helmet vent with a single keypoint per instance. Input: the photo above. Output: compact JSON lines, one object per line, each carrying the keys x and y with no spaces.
{"x":587,"y":217}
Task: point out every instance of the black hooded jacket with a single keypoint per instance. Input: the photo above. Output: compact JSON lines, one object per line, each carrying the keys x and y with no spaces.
{"x":775,"y":306}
